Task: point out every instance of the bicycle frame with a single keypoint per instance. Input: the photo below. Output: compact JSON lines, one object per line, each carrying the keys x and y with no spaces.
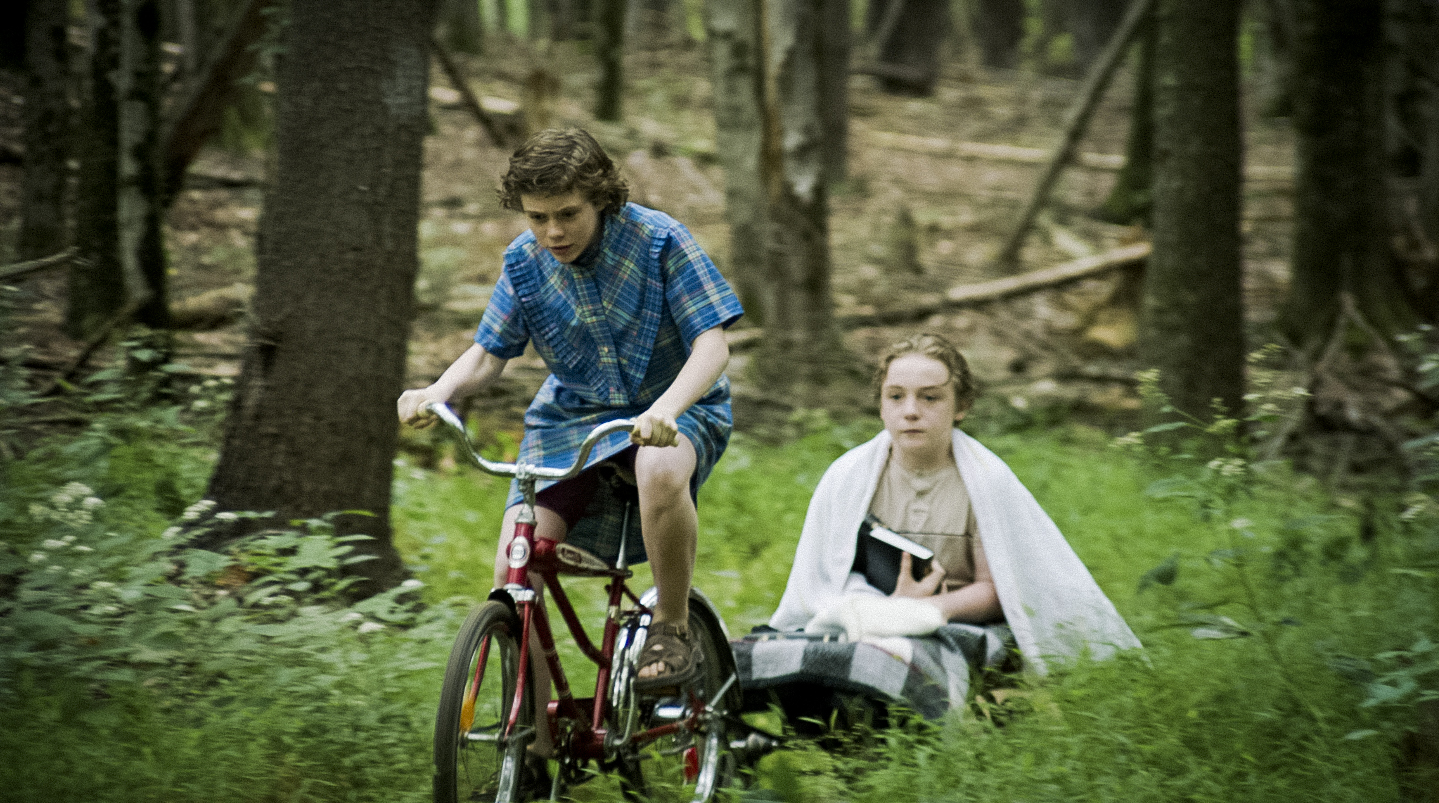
{"x":548,"y":559}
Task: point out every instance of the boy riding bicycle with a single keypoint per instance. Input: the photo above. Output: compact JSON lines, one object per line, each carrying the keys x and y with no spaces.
{"x":628,"y":313}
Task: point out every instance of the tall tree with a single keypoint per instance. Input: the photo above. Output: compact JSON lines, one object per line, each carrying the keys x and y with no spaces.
{"x":908,"y":35}
{"x":47,"y":129}
{"x":1193,"y":323}
{"x":461,"y":25}
{"x":737,"y":73}
{"x":768,"y":58}
{"x":97,"y":284}
{"x":801,"y":348}
{"x":610,"y":52}
{"x":1341,"y":229}
{"x":312,"y":429}
{"x":140,"y":192}
{"x":1130,"y":198}
{"x":999,"y":27}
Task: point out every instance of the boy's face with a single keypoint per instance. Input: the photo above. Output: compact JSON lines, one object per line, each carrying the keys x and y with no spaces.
{"x":917,"y":405}
{"x":564,"y":225}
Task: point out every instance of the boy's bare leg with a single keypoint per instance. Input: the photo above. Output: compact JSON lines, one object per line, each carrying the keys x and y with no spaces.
{"x":671,"y":526}
{"x":548,"y":524}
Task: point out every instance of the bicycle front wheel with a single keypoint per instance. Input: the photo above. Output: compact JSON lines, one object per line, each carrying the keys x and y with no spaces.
{"x":691,"y":764}
{"x":477,"y":757}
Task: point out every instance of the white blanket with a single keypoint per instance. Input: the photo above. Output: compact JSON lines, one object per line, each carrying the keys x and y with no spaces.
{"x":1051,"y":602}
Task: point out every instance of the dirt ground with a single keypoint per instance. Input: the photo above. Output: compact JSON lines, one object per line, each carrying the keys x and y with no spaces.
{"x":1069,"y":347}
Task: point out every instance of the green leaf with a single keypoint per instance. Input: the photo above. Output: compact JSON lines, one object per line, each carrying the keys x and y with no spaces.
{"x":203,"y":563}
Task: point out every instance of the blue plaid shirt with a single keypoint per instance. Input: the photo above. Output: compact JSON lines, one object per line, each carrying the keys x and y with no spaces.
{"x":614,"y":334}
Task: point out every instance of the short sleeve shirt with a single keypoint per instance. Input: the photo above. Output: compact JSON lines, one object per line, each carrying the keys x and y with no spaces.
{"x":614,"y":333}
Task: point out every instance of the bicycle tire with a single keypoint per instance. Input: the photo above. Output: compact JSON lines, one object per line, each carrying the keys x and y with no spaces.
{"x":689,"y":765}
{"x":472,"y":758}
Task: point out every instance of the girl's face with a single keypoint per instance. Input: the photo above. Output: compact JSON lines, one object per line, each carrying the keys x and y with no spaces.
{"x":916,"y":402}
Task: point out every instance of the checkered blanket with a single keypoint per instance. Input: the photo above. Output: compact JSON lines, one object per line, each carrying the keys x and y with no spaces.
{"x":928,"y":675}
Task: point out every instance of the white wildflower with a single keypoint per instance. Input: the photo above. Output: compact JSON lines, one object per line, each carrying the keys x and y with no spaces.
{"x":1132,"y":439}
{"x":200,"y":404}
{"x":53,"y":543}
{"x":102,"y":585}
{"x":352,"y":616}
{"x":1240,"y":524}
{"x":184,"y":607}
{"x":412,"y":584}
{"x":1232,"y":468}
{"x":1216,"y":464}
{"x":227,"y":516}
{"x":92,"y":502}
{"x":197,"y":510}
{"x":370,"y":627}
{"x":170,"y":532}
{"x":38,"y":557}
{"x":83,"y":548}
{"x":39,"y":512}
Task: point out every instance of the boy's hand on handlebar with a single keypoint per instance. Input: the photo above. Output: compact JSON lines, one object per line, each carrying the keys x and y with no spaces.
{"x":412,"y":407}
{"x":655,"y":429}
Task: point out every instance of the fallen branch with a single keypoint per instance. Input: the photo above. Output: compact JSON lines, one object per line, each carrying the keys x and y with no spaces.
{"x":19,"y":269}
{"x":1017,"y":154}
{"x":967,"y":295}
{"x":101,"y":334}
{"x":457,"y":80}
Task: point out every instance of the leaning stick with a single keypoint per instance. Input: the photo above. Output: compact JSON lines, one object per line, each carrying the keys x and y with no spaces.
{"x":1089,"y":95}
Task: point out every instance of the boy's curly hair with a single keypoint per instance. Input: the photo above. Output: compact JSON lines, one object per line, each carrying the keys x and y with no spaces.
{"x":556,"y":161}
{"x":938,"y":348}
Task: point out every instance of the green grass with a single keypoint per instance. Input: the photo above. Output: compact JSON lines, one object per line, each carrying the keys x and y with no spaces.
{"x":308,"y":708}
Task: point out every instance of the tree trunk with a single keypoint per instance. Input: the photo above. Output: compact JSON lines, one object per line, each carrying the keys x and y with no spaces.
{"x":140,"y":196}
{"x":910,"y":34}
{"x":312,"y":429}
{"x":97,"y":283}
{"x":610,"y":52}
{"x":200,"y":114}
{"x":834,"y":57}
{"x":1274,"y":56}
{"x":1193,"y":324}
{"x":1091,"y":24}
{"x":801,"y":344}
{"x":463,"y":28}
{"x":47,"y":130}
{"x":1130,"y":200}
{"x":12,"y":35}
{"x":737,"y":74}
{"x":1341,"y":231}
{"x":1412,"y":146}
{"x":999,"y":27}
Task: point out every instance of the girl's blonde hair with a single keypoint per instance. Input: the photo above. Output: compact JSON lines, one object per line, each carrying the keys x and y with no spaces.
{"x":938,"y":348}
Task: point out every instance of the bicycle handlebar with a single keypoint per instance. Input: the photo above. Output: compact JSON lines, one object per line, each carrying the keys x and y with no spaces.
{"x":523,"y":471}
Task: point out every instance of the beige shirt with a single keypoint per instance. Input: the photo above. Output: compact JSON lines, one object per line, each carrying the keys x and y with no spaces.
{"x":933,"y":509}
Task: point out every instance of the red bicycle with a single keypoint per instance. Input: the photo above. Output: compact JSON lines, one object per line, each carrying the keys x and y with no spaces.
{"x":682,"y":744}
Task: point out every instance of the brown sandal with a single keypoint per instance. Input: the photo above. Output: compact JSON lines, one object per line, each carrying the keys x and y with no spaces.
{"x":669,"y":645}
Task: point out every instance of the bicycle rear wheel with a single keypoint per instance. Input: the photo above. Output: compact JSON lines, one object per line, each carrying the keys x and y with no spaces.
{"x":475,"y":759}
{"x":691,"y":764}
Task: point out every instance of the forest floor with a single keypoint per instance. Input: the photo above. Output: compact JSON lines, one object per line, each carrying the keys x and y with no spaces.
{"x":1068,"y":347}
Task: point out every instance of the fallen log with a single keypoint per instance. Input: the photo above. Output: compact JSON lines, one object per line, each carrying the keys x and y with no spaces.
{"x":968,"y":295}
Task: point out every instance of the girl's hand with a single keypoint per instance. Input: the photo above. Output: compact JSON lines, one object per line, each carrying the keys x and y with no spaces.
{"x":907,"y":586}
{"x":655,"y":429}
